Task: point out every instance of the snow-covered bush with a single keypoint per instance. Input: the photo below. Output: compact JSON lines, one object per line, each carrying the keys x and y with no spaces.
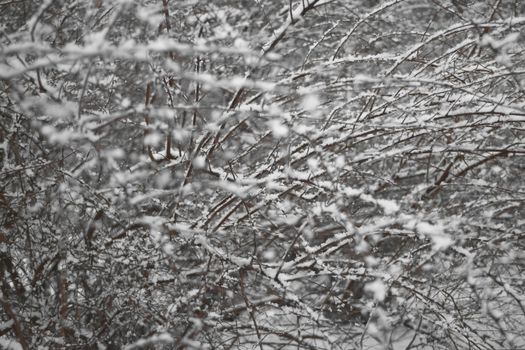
{"x":320,"y":174}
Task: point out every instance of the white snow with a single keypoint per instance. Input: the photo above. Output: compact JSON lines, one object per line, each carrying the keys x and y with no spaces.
{"x":278,"y":128}
{"x":377,"y":288}
{"x":441,"y":242}
{"x":152,"y":139}
{"x":269,"y":254}
{"x":488,"y":40}
{"x":10,"y":344}
{"x":429,"y":229}
{"x":239,"y":261}
{"x":340,"y":162}
{"x":310,"y":102}
{"x":436,"y":233}
{"x":199,"y":162}
{"x":389,"y":206}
